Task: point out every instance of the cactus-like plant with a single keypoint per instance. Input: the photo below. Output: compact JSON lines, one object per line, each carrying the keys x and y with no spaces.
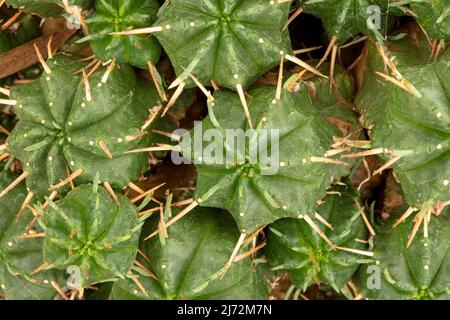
{"x":308,"y":258}
{"x":412,"y":103}
{"x":280,"y":141}
{"x":5,"y":42}
{"x":90,"y":230}
{"x":25,"y":30}
{"x":21,"y":250}
{"x":259,"y":191}
{"x":434,"y":17}
{"x":234,"y":42}
{"x":344,"y":19}
{"x":85,"y":126}
{"x":419,"y":272}
{"x":118,"y":15}
{"x":46,"y":8}
{"x":204,"y":241}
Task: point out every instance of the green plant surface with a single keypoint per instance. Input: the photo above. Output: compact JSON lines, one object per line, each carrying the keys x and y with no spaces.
{"x":235,"y":42}
{"x":336,"y":103}
{"x":5,"y":42}
{"x":19,"y":288}
{"x":189,"y":263}
{"x":345,"y":19}
{"x":335,"y":106}
{"x":28,"y":29}
{"x":46,"y":8}
{"x":434,"y":17}
{"x":20,"y":257}
{"x":89,"y":230}
{"x":59,"y":128}
{"x":417,"y":272}
{"x":253,"y":193}
{"x":294,"y":247}
{"x":392,"y":114}
{"x":120,"y":15}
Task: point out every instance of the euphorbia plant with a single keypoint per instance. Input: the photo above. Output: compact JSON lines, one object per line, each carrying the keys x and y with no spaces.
{"x":411,"y":102}
{"x":21,"y":258}
{"x":331,"y":257}
{"x":419,"y":272}
{"x":234,"y":42}
{"x":344,"y":19}
{"x":290,"y":166}
{"x":46,"y":8}
{"x":259,"y":190}
{"x":434,"y":17}
{"x":5,"y":42}
{"x":76,"y":126}
{"x":204,"y":241}
{"x":93,"y":231}
{"x":118,"y":15}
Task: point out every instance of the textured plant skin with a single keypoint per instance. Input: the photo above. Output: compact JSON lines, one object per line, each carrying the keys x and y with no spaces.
{"x":19,"y":288}
{"x":27,"y":30}
{"x":102,"y":199}
{"x":20,"y":257}
{"x":434,"y":17}
{"x":344,"y":19}
{"x":294,"y":247}
{"x":5,"y":42}
{"x":46,"y":8}
{"x":189,"y":262}
{"x":335,"y":106}
{"x":229,"y":38}
{"x":88,"y":229}
{"x":393,"y":114}
{"x":419,"y":272}
{"x":335,"y":103}
{"x":253,"y":197}
{"x":119,"y":15}
{"x":59,"y":128}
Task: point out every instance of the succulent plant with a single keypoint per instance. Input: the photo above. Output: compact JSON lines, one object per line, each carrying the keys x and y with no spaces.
{"x":259,"y":190}
{"x":291,"y":142}
{"x":17,"y":29}
{"x":26,"y":29}
{"x":419,"y":272}
{"x":334,"y":103}
{"x":434,"y":17}
{"x":67,"y":125}
{"x":204,"y":240}
{"x":119,"y":15}
{"x":234,"y":42}
{"x":89,"y":230}
{"x":21,"y":250}
{"x":294,"y":247}
{"x":345,"y":19}
{"x":46,"y":8}
{"x":5,"y":42}
{"x":417,"y":107}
